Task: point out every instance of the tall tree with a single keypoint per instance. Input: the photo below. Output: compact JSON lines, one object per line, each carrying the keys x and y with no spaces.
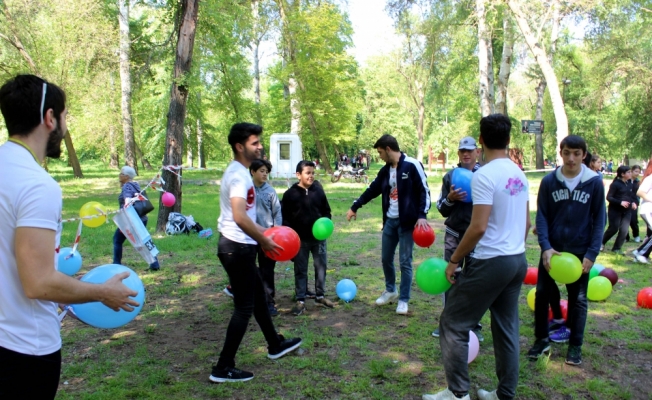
{"x":125,"y":83}
{"x":505,"y":65}
{"x":485,"y":60}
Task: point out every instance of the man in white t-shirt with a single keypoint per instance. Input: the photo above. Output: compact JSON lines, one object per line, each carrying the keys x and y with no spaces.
{"x":492,"y":280}
{"x":30,"y":210}
{"x":237,"y":249}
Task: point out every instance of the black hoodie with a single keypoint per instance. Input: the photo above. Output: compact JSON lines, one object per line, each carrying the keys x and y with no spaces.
{"x":302,"y":207}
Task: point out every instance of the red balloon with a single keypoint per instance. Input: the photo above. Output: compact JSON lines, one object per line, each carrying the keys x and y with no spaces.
{"x":645,"y":297}
{"x":611,"y":275}
{"x":423,"y":237}
{"x":285,"y":237}
{"x":563,"y":304}
{"x":531,"y":276}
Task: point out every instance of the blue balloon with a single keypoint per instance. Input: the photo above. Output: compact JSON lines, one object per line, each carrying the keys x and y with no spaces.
{"x":69,"y":265}
{"x":346,"y":290}
{"x":101,"y":316}
{"x":462,"y":180}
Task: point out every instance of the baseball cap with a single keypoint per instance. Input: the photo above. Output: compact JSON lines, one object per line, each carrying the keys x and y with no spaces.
{"x":127,"y":170}
{"x":468,"y":143}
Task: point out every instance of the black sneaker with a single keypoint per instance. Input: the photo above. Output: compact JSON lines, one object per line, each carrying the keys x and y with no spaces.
{"x":299,"y":308}
{"x":285,"y":347}
{"x":230,"y":375}
{"x":574,"y":355}
{"x":272,"y":310}
{"x":540,"y":346}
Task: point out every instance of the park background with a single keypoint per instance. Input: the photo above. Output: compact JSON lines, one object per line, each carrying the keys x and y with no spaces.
{"x":158,"y":83}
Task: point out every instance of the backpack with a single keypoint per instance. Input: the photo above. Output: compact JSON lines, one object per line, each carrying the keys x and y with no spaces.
{"x":176,"y":224}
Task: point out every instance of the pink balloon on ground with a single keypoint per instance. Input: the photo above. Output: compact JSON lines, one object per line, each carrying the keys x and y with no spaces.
{"x":168,"y":199}
{"x":474,"y":346}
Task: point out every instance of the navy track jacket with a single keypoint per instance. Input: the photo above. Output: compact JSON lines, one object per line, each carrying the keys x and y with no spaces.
{"x":413,"y":192}
{"x":572,"y":222}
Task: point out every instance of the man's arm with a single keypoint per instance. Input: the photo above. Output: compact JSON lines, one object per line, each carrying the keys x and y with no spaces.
{"x":252,"y":229}
{"x":424,"y":191}
{"x":373,"y":191}
{"x":477,"y":228}
{"x":597,"y":230}
{"x":543,"y":213}
{"x":276,"y":211}
{"x":34,"y":248}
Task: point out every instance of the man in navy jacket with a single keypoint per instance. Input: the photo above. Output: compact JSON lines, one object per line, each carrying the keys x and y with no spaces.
{"x":405,"y":202}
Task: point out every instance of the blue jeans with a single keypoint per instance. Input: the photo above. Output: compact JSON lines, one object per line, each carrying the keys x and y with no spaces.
{"x":394,"y":235}
{"x":119,"y":239}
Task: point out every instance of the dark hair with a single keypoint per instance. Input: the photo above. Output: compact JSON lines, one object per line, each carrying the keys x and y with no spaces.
{"x":588,"y":158}
{"x":258,"y":164}
{"x":621,"y":171}
{"x":495,"y":131}
{"x":386,"y":141}
{"x":573,"y":142}
{"x":638,"y":167}
{"x":241,"y":132}
{"x":304,"y":163}
{"x":20,"y":103}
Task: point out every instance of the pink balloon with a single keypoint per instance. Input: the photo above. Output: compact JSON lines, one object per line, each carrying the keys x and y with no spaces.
{"x":474,"y":346}
{"x":168,"y":199}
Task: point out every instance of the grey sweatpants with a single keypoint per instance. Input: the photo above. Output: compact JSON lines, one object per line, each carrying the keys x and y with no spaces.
{"x":493,"y":284}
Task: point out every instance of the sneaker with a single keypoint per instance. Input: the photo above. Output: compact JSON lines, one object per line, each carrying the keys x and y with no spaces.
{"x":478,"y":334}
{"x":637,"y":239}
{"x":574,"y":355}
{"x":324,"y":302}
{"x":641,"y":259}
{"x":444,"y":395}
{"x":636,"y":253}
{"x":299,"y":308}
{"x":484,"y":395}
{"x":402,"y":308}
{"x":540,"y":346}
{"x":155,"y":266}
{"x":386,"y":297}
{"x":435,"y":333}
{"x":230,"y":375}
{"x":310,"y":295}
{"x":272,"y":310}
{"x":555,"y":325}
{"x":285,"y":347}
{"x":227,"y":291}
{"x":602,"y":248}
{"x":561,"y":335}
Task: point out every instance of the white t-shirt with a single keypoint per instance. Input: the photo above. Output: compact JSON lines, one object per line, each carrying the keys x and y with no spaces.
{"x":236,"y":182}
{"x":503,"y":185}
{"x":29,"y":198}
{"x":646,"y":186}
{"x":392,"y":212}
{"x":571,"y":183}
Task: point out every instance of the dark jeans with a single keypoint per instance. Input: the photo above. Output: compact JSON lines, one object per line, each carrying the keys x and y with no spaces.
{"x":633,"y":223}
{"x":24,"y":376}
{"x":239,"y":262}
{"x":618,"y":222}
{"x":318,"y":250}
{"x":119,"y":239}
{"x":577,"y":305}
{"x":493,"y":284}
{"x":266,"y":266}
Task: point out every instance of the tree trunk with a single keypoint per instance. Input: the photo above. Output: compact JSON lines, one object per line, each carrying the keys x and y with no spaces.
{"x":114,"y":157}
{"x":505,"y":66}
{"x":321,"y":148}
{"x":15,"y":41}
{"x":177,"y":111}
{"x":201,"y":162}
{"x":538,"y":137}
{"x":143,"y":161}
{"x":125,"y":82}
{"x":72,"y":156}
{"x":420,"y":124}
{"x":295,"y":122}
{"x":541,"y":58}
{"x":484,"y":63}
{"x":189,"y":155}
{"x":256,"y":45}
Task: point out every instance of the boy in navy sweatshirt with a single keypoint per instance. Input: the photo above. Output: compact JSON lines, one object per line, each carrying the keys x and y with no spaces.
{"x":303,"y":204}
{"x":570,"y":218}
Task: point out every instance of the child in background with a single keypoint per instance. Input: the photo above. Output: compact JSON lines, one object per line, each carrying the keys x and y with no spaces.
{"x":303,"y":204}
{"x":268,"y":214}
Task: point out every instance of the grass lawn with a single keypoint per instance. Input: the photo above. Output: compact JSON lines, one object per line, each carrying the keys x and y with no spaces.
{"x":354,"y":351}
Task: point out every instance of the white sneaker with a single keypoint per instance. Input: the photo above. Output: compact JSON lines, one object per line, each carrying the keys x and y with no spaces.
{"x":386,"y":297}
{"x":402,"y":308}
{"x":641,"y":259}
{"x":484,"y":395}
{"x":444,"y":395}
{"x":636,"y":253}
{"x":637,"y":239}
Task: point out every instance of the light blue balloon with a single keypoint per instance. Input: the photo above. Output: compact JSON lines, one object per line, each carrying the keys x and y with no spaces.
{"x":101,"y":316}
{"x":346,"y":289}
{"x":462,"y":180}
{"x":69,"y":266}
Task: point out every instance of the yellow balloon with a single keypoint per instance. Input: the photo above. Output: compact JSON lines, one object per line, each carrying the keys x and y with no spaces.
{"x":530,"y":298}
{"x":93,"y":208}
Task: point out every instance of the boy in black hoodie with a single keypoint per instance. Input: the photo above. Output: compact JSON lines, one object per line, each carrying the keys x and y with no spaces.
{"x":303,"y":204}
{"x":570,"y":218}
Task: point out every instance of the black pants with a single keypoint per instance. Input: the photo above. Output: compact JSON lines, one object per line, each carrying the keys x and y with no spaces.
{"x":266,"y":266}
{"x":24,"y":376}
{"x":239,"y":261}
{"x":633,"y":223}
{"x":618,"y":222}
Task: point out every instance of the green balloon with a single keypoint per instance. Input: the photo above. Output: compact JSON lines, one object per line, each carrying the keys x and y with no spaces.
{"x":565,"y":268}
{"x":599,"y":288}
{"x":322,"y":228}
{"x":595,"y":271}
{"x":431,"y":276}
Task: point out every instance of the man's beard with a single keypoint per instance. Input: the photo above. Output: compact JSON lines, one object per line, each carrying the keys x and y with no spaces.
{"x":251,"y":155}
{"x":53,"y":149}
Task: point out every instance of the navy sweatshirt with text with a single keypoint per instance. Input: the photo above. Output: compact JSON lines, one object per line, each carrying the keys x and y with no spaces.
{"x":572,"y":222}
